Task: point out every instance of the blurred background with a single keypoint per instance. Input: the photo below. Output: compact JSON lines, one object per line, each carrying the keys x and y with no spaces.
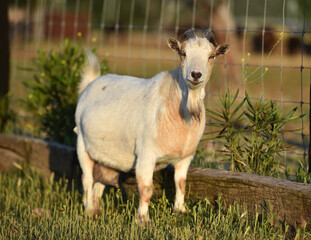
{"x":270,"y":47}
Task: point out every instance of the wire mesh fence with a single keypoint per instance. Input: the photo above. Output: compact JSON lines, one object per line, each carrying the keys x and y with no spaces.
{"x":270,"y":44}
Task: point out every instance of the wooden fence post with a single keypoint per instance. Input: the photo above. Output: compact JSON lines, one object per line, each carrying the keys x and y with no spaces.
{"x":4,"y":49}
{"x":309,"y":157}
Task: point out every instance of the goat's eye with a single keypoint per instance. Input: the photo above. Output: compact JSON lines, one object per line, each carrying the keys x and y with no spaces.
{"x":182,"y":53}
{"x":212,"y":56}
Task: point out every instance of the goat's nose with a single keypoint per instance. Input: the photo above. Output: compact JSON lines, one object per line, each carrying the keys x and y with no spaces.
{"x":196,"y":75}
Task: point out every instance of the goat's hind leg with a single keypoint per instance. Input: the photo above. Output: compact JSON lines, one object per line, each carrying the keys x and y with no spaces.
{"x":98,"y":190}
{"x":87,"y":165}
{"x":103,"y":176}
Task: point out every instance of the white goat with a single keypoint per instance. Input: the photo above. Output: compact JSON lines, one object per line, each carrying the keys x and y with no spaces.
{"x":126,"y":123}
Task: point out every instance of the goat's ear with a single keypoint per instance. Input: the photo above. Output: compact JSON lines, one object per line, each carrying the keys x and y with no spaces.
{"x":173,"y":44}
{"x":222,"y":49}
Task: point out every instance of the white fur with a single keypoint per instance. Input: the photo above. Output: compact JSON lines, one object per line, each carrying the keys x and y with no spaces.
{"x":113,"y":121}
{"x":91,"y":71}
{"x":117,"y":119}
{"x":197,"y":51}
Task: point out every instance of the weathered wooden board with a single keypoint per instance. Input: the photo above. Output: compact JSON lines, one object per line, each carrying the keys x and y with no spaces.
{"x":46,"y":156}
{"x":289,"y":200}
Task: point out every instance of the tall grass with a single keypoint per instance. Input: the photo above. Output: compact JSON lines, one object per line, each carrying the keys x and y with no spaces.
{"x":35,"y":208}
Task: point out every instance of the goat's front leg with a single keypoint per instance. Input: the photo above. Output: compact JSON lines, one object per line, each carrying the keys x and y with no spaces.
{"x":180,"y":176}
{"x":144,"y":173}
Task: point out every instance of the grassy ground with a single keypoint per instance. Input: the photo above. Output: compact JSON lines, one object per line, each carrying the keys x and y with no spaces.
{"x":35,"y":208}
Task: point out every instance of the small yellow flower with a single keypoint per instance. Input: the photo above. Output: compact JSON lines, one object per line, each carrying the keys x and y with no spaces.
{"x":266,"y":69}
{"x":243,"y":59}
{"x":79,"y":34}
{"x":42,"y":74}
{"x":248,"y":54}
{"x":93,"y":39}
{"x":107,"y":54}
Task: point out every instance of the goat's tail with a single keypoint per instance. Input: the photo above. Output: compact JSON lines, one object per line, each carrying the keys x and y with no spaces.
{"x":90,"y":72}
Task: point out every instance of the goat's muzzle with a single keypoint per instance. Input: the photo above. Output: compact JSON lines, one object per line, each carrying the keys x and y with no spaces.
{"x":196,"y":75}
{"x":195,"y":80}
{"x":194,"y":84}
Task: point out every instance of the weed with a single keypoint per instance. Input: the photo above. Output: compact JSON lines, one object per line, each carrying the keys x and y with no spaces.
{"x":252,"y":136}
{"x":302,"y":174}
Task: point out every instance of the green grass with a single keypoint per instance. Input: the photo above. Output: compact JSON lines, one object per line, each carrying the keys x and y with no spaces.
{"x":32,"y":207}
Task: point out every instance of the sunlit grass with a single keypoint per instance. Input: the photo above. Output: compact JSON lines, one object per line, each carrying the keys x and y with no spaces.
{"x":35,"y":208}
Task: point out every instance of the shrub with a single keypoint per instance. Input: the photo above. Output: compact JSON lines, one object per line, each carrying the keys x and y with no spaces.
{"x":52,"y":94}
{"x":253,"y":137}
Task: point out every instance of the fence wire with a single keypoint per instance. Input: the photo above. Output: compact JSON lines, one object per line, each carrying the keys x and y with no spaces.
{"x":132,"y":36}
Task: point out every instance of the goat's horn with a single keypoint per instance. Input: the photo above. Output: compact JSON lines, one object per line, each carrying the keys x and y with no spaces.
{"x":188,"y":34}
{"x":210,"y":37}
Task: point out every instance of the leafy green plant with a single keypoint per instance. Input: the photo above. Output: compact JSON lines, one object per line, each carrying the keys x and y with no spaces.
{"x":228,"y":121}
{"x":52,"y":94}
{"x":302,"y":174}
{"x":6,"y":113}
{"x":252,"y":136}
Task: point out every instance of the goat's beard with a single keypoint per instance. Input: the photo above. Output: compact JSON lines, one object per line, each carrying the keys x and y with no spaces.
{"x":192,"y":104}
{"x":192,"y":100}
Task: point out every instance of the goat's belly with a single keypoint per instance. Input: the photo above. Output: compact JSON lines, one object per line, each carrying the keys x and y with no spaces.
{"x":164,"y":161}
{"x":112,"y":153}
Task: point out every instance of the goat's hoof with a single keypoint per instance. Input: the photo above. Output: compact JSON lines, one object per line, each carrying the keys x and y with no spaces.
{"x":143,"y":220}
{"x":180,"y":211}
{"x":97,"y":211}
{"x":93,"y":213}
{"x":89,"y":212}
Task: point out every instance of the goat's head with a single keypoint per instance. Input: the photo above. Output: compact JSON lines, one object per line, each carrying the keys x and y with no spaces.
{"x":197,"y":56}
